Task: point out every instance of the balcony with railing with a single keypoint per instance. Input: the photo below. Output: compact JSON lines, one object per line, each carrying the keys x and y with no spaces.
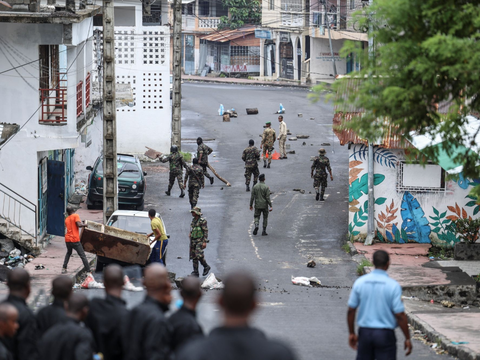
{"x":208,"y":22}
{"x":79,"y":98}
{"x":188,"y":22}
{"x":53,"y":106}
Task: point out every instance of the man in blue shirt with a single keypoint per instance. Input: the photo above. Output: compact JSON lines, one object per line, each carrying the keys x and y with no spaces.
{"x":380,"y":310}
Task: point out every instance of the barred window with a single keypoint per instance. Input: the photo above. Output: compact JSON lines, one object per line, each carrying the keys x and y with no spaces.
{"x":244,"y":55}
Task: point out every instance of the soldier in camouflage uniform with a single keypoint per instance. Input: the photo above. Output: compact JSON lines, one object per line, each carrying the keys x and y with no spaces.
{"x":321,"y":164}
{"x":261,"y":197}
{"x":177,"y":163}
{"x":202,"y":154}
{"x":268,"y":139}
{"x":251,"y":155}
{"x":198,"y":241}
{"x":195,"y":175}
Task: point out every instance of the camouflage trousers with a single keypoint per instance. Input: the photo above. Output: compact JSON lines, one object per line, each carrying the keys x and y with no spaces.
{"x":205,"y":171}
{"x":193,"y":193}
{"x":249,"y":171}
{"x":196,"y":254}
{"x":256,"y":217}
{"x":171,"y":179}
{"x":268,"y":148}
{"x":320,"y":181}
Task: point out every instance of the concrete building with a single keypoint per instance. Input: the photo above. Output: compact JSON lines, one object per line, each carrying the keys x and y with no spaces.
{"x":45,"y":96}
{"x":142,"y":61}
{"x":295,"y":41}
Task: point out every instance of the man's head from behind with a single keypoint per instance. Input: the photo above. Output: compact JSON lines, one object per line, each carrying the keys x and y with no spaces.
{"x":62,"y":288}
{"x":381,"y":260}
{"x":152,"y":213}
{"x":77,"y":306}
{"x":191,"y":291}
{"x":157,"y":283}
{"x":238,"y":298}
{"x":18,"y":282}
{"x":70,"y":210}
{"x":251,"y":142}
{"x":195,"y":161}
{"x":8,"y":320}
{"x":113,"y":279}
{"x":261,"y":177}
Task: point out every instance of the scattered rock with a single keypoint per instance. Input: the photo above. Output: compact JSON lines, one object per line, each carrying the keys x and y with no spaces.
{"x":304,"y":143}
{"x":311,"y":264}
{"x":312,"y":118}
{"x":325,"y":144}
{"x":301,"y":191}
{"x":288,"y":132}
{"x":447,"y":304}
{"x":291,"y":152}
{"x":303,"y":136}
{"x":221,"y":188}
{"x":300,"y":115}
{"x":179,"y":257}
{"x":293,"y":138}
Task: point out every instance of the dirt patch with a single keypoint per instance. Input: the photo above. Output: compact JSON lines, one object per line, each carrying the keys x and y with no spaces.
{"x":154,"y":168}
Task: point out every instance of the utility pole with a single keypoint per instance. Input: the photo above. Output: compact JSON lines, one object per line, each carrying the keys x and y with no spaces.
{"x":177,"y":75}
{"x":328,"y":23}
{"x":97,"y":33}
{"x":110,"y":182}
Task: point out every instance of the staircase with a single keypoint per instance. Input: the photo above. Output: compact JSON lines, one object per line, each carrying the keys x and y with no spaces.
{"x":17,"y":215}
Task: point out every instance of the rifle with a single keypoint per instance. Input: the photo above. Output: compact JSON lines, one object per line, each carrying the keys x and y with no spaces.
{"x":190,"y":171}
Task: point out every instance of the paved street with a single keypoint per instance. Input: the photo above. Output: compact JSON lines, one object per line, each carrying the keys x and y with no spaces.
{"x":311,"y":320}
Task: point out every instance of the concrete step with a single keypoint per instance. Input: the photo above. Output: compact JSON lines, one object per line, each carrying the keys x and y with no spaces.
{"x":15,"y":234}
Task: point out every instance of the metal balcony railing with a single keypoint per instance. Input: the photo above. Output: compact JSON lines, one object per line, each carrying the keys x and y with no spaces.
{"x":79,"y":98}
{"x":208,"y":22}
{"x":87,"y":90}
{"x":53,"y":106}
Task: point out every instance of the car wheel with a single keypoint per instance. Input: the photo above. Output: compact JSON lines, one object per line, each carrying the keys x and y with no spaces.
{"x":140,"y":207}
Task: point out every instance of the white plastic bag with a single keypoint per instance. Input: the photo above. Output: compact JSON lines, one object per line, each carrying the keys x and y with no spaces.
{"x":304,"y":281}
{"x":127,"y":285}
{"x":211,"y":283}
{"x":90,"y":283}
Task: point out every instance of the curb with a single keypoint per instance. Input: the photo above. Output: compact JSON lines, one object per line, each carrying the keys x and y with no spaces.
{"x":461,"y":352}
{"x":353,"y":250}
{"x":273,"y":83}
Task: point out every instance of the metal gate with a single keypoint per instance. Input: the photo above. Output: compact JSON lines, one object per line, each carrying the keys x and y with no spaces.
{"x":56,"y":197}
{"x":42,"y":197}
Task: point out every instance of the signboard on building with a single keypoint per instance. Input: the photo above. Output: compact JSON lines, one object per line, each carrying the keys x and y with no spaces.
{"x":263,"y":34}
{"x":326,"y":56}
{"x":240,"y":68}
{"x":284,"y":36}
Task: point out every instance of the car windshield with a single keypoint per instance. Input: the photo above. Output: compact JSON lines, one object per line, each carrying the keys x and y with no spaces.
{"x":125,"y":170}
{"x":137,"y":224}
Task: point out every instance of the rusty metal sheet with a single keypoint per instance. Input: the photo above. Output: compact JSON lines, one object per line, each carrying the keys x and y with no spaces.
{"x":115,"y":243}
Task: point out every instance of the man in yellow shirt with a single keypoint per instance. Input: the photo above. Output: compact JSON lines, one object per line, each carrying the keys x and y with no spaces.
{"x":159,"y":250}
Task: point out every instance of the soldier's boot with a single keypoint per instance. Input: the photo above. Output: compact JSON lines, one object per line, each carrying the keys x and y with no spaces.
{"x":268,"y":166}
{"x":248,"y":187}
{"x":168,"y":191}
{"x":264,"y":232}
{"x":318,"y":194}
{"x":211,"y":180}
{"x":206,"y":268}
{"x":195,"y":268}
{"x":182,"y":194}
{"x":264,"y":163}
{"x":255,"y":231}
{"x":321,"y":194}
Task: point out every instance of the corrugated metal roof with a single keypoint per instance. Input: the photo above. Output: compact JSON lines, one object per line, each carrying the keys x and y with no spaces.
{"x":227,"y":35}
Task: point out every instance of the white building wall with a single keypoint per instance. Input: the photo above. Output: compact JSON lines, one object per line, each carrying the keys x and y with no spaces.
{"x":432,"y":209}
{"x":20,"y":104}
{"x":143,"y":61}
{"x":321,"y":66}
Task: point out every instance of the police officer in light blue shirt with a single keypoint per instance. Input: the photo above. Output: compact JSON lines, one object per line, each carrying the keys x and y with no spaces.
{"x":380,"y":310}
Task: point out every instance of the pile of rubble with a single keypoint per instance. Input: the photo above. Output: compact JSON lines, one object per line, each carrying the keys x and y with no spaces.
{"x":11,"y":257}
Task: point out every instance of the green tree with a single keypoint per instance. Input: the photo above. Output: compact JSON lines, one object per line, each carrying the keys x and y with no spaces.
{"x":427,"y":52}
{"x":241,"y":12}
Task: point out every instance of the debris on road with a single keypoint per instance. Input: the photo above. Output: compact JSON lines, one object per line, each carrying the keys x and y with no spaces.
{"x":232,"y":113}
{"x":311,"y":264}
{"x":293,"y":138}
{"x":226,"y":117}
{"x":304,"y":143}
{"x":301,"y":191}
{"x":303,"y":136}
{"x":39,"y":267}
{"x":300,"y":115}
{"x":252,"y":111}
{"x":281,"y":110}
{"x":324,"y":144}
{"x":305,"y":281}
{"x":447,"y":304}
{"x":291,"y":152}
{"x":212,"y":283}
{"x":91,"y":283}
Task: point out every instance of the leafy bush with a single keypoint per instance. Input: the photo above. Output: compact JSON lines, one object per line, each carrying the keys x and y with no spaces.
{"x":467,"y":229}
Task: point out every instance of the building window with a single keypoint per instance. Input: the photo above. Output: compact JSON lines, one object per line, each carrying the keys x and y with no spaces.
{"x":271,"y":4}
{"x":352,"y":4}
{"x":156,"y":15}
{"x":204,"y":8}
{"x":419,"y":178}
{"x":188,"y":9}
{"x":292,"y":5}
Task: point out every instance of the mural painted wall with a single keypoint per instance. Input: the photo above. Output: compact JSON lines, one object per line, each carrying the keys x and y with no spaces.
{"x":412,"y":204}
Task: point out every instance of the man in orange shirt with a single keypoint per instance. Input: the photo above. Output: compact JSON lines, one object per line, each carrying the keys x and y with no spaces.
{"x":72,"y":239}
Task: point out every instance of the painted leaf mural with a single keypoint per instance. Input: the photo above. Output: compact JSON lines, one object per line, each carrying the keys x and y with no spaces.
{"x":381,"y":156}
{"x":415,"y":224}
{"x":360,"y":186}
{"x":442,"y":226}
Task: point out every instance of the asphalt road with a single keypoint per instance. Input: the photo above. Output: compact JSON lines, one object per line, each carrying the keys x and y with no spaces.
{"x":311,"y":320}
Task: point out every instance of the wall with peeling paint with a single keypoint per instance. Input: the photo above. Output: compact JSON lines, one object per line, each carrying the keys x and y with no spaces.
{"x":405,"y":213}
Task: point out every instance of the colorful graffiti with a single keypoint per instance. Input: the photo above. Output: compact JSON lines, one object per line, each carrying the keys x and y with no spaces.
{"x":415,"y":224}
{"x":381,"y":156}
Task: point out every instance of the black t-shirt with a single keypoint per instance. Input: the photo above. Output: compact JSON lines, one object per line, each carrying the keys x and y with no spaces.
{"x":184,"y":327}
{"x":239,"y":343}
